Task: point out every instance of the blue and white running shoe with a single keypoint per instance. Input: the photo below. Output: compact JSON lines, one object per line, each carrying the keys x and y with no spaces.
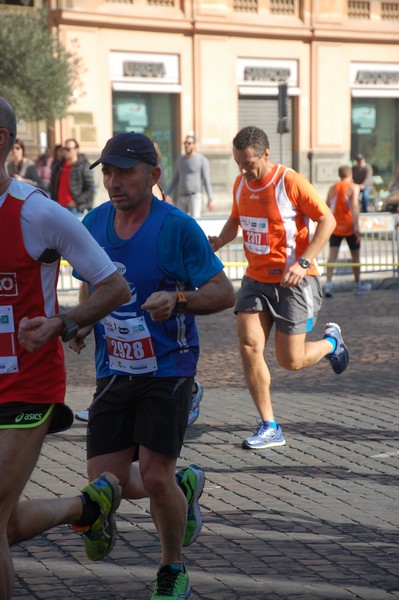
{"x":339,"y":359}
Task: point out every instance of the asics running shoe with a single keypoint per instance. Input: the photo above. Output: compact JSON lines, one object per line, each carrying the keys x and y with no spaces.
{"x":265,"y":437}
{"x":191,"y":480}
{"x":339,"y":359}
{"x":171,"y":584}
{"x":99,"y":538}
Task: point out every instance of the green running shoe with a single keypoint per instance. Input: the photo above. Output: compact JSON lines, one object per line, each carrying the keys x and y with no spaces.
{"x":191,"y":480}
{"x":100,"y":537}
{"x":171,"y":584}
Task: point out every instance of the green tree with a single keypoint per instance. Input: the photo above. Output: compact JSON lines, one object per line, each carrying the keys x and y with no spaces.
{"x":37,"y":74}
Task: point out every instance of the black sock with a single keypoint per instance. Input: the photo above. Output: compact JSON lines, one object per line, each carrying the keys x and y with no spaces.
{"x":91,"y":511}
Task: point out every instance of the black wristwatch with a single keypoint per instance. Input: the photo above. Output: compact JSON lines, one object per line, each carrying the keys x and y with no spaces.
{"x":181,"y":304}
{"x":305,"y":263}
{"x":70,"y":327}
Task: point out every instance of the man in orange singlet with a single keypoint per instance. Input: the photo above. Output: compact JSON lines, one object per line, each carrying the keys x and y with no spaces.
{"x":343,"y":200}
{"x":273,"y":204}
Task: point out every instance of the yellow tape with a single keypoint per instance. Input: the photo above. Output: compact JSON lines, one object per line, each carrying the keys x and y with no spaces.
{"x":65,"y":263}
{"x":341,"y":264}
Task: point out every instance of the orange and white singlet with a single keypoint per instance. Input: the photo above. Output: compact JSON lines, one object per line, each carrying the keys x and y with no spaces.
{"x":274,"y":216}
{"x":340,"y":207}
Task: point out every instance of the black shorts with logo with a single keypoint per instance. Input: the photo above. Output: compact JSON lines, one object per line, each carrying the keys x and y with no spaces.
{"x":23,"y":415}
{"x":131,"y":411}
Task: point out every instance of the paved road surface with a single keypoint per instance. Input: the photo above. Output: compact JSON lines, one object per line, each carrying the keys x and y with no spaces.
{"x":316,"y":519}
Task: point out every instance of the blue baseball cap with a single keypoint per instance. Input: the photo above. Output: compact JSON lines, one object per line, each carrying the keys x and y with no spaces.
{"x":125,"y":150}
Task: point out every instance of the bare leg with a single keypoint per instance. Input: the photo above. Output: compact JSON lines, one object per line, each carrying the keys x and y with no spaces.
{"x":167,"y":501}
{"x":332,"y":258}
{"x":155,"y":480}
{"x":294,"y":353}
{"x":253,"y":331}
{"x":120,"y":464}
{"x":356,"y":270}
{"x":19,"y":451}
{"x":32,"y":517}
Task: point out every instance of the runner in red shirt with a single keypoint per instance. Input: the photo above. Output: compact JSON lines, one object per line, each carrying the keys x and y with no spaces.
{"x":34,"y":233}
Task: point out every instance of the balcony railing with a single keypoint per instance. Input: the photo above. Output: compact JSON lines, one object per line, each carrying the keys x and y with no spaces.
{"x":358,"y":10}
{"x":390,"y":11}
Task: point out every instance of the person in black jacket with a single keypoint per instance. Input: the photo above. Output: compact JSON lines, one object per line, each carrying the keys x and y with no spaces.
{"x":21,"y":167}
{"x":72,"y":184}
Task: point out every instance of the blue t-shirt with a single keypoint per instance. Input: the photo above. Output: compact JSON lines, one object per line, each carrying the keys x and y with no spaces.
{"x":183,"y":248}
{"x":168,"y":252}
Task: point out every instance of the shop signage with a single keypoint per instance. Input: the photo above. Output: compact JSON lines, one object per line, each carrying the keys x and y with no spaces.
{"x":144,"y":67}
{"x":266,"y":73}
{"x":132,"y":68}
{"x":374,"y":75}
{"x":272,"y":74}
{"x":377,"y":77}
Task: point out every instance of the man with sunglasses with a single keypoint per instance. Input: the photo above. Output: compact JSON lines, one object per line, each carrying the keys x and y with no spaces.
{"x":72,"y":183}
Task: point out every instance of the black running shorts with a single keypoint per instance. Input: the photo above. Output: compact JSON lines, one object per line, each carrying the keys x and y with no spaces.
{"x":23,"y":415}
{"x":353,"y":241}
{"x":128,"y":412}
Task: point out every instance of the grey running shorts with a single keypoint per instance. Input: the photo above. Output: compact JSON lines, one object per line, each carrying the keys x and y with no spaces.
{"x":293,"y":309}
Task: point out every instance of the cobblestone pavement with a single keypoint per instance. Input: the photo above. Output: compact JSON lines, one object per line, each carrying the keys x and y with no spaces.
{"x":315,"y":519}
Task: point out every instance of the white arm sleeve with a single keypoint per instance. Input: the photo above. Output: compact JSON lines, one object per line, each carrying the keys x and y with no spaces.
{"x":47,"y":225}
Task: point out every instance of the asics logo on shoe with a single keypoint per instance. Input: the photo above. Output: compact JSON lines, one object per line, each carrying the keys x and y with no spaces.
{"x":28,"y":417}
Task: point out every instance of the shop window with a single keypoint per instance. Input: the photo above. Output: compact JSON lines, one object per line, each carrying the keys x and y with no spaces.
{"x":375,"y":126}
{"x":152,"y":114}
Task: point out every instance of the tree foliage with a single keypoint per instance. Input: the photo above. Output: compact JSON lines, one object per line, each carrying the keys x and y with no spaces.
{"x":37,"y":74}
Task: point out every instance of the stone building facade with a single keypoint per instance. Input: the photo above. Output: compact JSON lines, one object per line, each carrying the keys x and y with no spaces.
{"x":172,"y":67}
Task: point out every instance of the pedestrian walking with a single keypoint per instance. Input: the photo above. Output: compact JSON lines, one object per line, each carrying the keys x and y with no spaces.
{"x":272,"y":204}
{"x":190,"y":175}
{"x":146,"y":352}
{"x":34,"y":233}
{"x":363,"y":176}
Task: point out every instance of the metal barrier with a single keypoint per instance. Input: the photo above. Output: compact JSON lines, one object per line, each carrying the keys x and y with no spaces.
{"x":379,"y":250}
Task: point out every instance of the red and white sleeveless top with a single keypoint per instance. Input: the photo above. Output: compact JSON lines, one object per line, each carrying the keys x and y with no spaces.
{"x":27,"y":288}
{"x":274,"y":215}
